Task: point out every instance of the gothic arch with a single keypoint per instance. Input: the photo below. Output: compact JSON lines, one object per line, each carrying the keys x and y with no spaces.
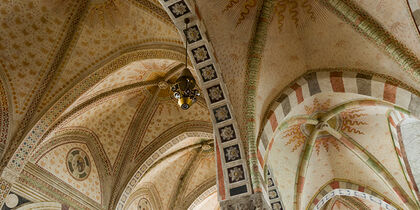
{"x":76,"y":134}
{"x":146,"y":164}
{"x":395,"y":120}
{"x":382,"y":88}
{"x":347,"y":188}
{"x":148,"y":192}
{"x":202,"y":197}
{"x":110,"y":64}
{"x":84,"y":136}
{"x":385,"y":91}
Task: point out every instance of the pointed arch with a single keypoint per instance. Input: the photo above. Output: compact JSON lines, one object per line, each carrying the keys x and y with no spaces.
{"x":16,"y":156}
{"x":150,"y":193}
{"x":380,"y":87}
{"x":80,"y":135}
{"x":342,"y":187}
{"x":84,"y":136}
{"x":158,"y":153}
{"x":395,"y":120}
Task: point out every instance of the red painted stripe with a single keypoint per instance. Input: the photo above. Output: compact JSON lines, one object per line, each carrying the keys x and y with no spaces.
{"x":337,"y":83}
{"x":298,"y":91}
{"x":361,"y":189}
{"x":315,"y":201}
{"x":368,"y":103}
{"x":273,"y":121}
{"x":400,"y":195}
{"x":347,"y":142}
{"x":390,"y":92}
{"x":270,"y":144}
{"x":260,"y":158}
{"x":301,"y":182}
{"x":402,"y":115}
{"x":391,"y":120}
{"x":398,"y":151}
{"x":335,"y":184}
{"x":220,"y":178}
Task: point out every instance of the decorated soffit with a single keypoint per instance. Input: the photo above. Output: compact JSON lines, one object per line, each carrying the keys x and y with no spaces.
{"x":109,"y":28}
{"x":30,"y":36}
{"x":56,"y":163}
{"x":330,"y":159}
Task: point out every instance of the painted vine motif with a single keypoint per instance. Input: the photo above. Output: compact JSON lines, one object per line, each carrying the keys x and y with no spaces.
{"x":282,"y":8}
{"x":347,"y":121}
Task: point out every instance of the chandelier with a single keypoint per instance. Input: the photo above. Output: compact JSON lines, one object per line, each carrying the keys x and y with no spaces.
{"x":184,"y":89}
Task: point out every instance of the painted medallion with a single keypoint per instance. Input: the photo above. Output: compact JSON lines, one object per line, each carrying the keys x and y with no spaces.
{"x":144,"y":204}
{"x":78,"y":164}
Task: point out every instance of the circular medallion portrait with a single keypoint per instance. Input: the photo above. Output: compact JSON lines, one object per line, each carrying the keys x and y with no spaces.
{"x":144,"y":204}
{"x":78,"y":164}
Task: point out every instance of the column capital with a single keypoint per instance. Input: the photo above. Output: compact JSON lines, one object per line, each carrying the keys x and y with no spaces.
{"x":254,"y":201}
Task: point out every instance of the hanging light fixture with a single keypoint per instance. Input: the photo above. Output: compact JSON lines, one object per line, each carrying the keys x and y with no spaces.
{"x":184,"y":89}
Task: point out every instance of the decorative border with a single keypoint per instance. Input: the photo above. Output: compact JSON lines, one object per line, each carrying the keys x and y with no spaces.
{"x":4,"y":114}
{"x":203,"y":60}
{"x":254,"y":57}
{"x":345,"y":184}
{"x":272,"y":192}
{"x":202,"y":196}
{"x":5,"y":188}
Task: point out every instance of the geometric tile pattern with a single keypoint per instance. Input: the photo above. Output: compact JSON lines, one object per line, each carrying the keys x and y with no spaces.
{"x":331,"y":82}
{"x":5,"y":188}
{"x":273,"y":192}
{"x":203,"y":60}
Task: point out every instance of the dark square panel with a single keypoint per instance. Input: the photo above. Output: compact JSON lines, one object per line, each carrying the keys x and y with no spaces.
{"x":236,"y":174}
{"x":232,"y":153}
{"x":227,"y":133}
{"x":208,"y":73}
{"x":193,"y":34}
{"x":238,"y":190}
{"x":200,"y":54}
{"x":221,"y":114}
{"x":272,"y":194}
{"x":215,"y":93}
{"x":179,"y":9}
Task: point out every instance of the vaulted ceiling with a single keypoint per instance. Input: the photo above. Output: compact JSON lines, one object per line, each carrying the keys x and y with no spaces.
{"x":94,"y":77}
